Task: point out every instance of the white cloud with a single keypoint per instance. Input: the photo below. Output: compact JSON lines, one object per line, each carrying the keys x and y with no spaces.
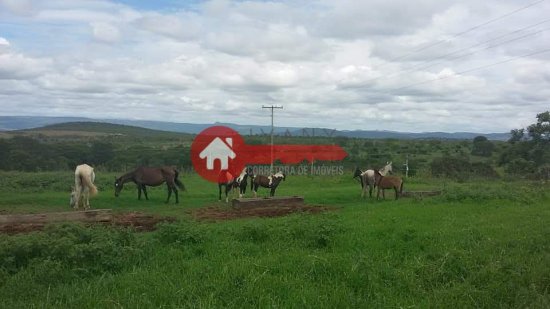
{"x":18,"y":66}
{"x":4,"y":42}
{"x":343,"y":64}
{"x":105,"y":32}
{"x":20,"y":7}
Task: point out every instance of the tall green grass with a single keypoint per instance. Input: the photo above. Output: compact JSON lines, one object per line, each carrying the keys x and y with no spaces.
{"x":477,"y":245}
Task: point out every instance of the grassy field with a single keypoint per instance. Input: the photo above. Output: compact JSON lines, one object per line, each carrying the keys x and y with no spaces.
{"x":480,"y":244}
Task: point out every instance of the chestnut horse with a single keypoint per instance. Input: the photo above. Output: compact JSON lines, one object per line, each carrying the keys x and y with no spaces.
{"x":151,"y":176}
{"x":84,"y":177}
{"x":388,"y":182}
{"x":271,"y":182}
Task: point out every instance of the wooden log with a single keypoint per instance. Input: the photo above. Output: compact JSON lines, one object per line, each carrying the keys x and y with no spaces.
{"x":96,"y":215}
{"x":268,"y":201}
{"x":420,"y":193}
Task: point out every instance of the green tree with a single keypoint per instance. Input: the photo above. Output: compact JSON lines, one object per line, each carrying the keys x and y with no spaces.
{"x":482,"y":147}
{"x":101,"y":153}
{"x":529,"y":154}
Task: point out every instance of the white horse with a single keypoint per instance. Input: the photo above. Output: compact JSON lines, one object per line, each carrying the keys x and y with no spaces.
{"x":368,"y":179}
{"x":385,"y":170}
{"x":84,"y":177}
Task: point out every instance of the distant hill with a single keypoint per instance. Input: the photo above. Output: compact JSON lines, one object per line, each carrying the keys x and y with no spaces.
{"x":26,"y":122}
{"x":103,"y":127}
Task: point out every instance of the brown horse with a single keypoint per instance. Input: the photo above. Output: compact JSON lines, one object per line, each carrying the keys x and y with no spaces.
{"x":388,"y":182}
{"x":271,"y":182}
{"x":151,"y":176}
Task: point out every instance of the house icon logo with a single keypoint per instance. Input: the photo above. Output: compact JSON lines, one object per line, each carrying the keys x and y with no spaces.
{"x":218,"y":150}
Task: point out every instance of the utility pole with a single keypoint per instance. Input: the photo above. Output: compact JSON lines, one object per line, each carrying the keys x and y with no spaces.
{"x":407,"y":167}
{"x":272,"y":107}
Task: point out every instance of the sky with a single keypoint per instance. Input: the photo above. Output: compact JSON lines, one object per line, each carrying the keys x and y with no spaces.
{"x":415,"y":66}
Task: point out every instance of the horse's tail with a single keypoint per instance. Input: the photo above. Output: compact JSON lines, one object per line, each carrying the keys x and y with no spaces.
{"x":178,"y":183}
{"x":86,"y":180}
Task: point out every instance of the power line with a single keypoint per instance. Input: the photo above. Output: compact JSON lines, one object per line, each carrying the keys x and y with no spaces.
{"x":468,"y":30}
{"x":420,"y":67}
{"x":475,"y":69}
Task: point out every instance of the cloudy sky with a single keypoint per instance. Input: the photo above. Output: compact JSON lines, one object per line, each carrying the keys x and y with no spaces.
{"x":425,"y":65}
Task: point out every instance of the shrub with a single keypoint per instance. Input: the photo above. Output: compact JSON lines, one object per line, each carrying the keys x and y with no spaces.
{"x":83,"y":251}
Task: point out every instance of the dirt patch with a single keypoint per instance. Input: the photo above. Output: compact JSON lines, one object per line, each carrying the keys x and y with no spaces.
{"x":226,"y":212}
{"x":141,"y":222}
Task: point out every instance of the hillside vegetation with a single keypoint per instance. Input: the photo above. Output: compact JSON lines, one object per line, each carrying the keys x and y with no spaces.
{"x":118,"y":147}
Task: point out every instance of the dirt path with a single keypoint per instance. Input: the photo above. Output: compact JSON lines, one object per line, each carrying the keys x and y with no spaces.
{"x":226,"y":212}
{"x":141,"y":222}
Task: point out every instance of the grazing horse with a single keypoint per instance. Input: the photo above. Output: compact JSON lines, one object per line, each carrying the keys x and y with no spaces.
{"x":151,"y":176}
{"x":84,"y":177}
{"x":388,"y":182}
{"x":271,"y":182}
{"x":226,"y":179}
{"x":367,"y":180}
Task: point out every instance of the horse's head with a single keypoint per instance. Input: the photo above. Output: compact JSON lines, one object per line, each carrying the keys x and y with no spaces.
{"x":72,"y":201}
{"x":279,"y":175}
{"x":118,"y":186}
{"x":387,"y":169}
{"x":357,"y":173}
{"x":249,"y":171}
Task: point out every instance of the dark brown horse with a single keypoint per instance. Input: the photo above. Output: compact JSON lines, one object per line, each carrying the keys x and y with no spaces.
{"x":388,"y":182}
{"x":151,"y":176}
{"x":271,"y":182}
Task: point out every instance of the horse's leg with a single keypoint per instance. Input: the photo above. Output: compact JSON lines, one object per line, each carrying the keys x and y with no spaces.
{"x":378,"y":194}
{"x":169,"y":194}
{"x":220,"y":192}
{"x":272,"y":192}
{"x":383,"y":193}
{"x":145,"y":192}
{"x":176,"y":193}
{"x":396,"y":192}
{"x":370,"y":190}
{"x":139,"y":192}
{"x":87,"y":196}
{"x":227,"y":189}
{"x":255,"y":190}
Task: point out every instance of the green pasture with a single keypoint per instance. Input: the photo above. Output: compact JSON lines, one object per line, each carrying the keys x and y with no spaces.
{"x":480,"y":244}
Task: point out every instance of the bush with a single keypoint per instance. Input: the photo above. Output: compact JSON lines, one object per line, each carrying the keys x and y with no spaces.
{"x":461,"y":169}
{"x":83,"y":251}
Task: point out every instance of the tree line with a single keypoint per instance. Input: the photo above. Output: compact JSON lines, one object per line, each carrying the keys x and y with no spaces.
{"x":527,"y":153}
